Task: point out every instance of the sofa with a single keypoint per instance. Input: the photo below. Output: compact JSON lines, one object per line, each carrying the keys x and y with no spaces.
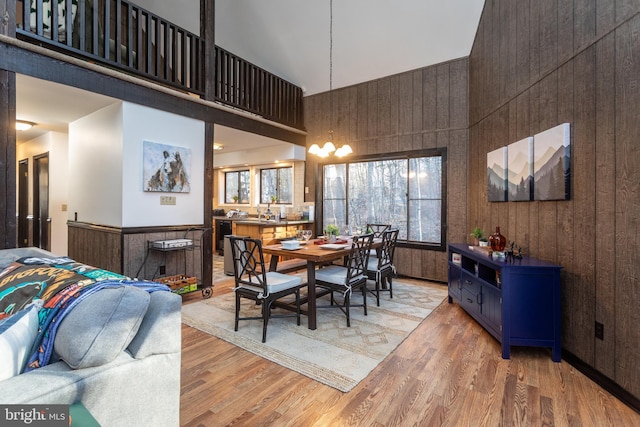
{"x":117,"y":352}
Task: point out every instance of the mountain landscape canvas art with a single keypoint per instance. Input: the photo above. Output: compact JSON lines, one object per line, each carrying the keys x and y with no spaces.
{"x":497,"y":175}
{"x":520,"y":170}
{"x":551,"y":161}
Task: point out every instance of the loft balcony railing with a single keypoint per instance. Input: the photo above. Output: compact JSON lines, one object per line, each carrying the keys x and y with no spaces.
{"x":124,"y":36}
{"x":246,"y":86}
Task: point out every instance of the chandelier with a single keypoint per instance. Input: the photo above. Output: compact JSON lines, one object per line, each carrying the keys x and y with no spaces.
{"x":328,"y":146}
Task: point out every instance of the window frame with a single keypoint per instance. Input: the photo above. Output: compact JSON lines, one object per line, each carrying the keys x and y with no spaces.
{"x":278,"y":169}
{"x":404,"y":155}
{"x":239,"y":172}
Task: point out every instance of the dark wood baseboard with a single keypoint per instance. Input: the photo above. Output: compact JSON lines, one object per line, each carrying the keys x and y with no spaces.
{"x":603,"y":381}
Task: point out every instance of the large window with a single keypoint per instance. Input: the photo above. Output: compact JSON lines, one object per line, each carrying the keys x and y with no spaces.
{"x":406,"y":191}
{"x":236,"y":186}
{"x":276,"y":185}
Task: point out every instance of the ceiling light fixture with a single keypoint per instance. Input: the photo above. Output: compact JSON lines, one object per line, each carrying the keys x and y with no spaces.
{"x":22,"y":125}
{"x":217,"y":147}
{"x":328,"y":146}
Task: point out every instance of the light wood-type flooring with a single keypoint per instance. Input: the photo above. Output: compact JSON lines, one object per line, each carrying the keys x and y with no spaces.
{"x":448,"y":372}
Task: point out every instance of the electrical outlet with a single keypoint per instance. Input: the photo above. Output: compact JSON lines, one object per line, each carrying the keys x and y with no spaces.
{"x":599,"y":330}
{"x":163,"y":270}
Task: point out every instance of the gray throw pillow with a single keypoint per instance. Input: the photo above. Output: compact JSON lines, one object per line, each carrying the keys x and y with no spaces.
{"x":101,"y":326}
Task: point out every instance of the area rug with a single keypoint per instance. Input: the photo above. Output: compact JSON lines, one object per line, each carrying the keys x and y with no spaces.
{"x":333,"y":354}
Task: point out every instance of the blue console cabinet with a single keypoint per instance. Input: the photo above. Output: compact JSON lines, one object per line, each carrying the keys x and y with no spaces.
{"x":518,"y":302}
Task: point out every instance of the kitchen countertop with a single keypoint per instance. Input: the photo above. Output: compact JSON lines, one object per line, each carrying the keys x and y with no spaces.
{"x":256,"y":221}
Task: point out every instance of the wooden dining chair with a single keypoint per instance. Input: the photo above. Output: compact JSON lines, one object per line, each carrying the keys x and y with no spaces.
{"x":254,"y":282}
{"x":381,"y":269}
{"x":344,"y":279}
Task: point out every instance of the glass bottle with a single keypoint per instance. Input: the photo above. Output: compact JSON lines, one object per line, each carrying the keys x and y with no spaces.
{"x":497,"y":241}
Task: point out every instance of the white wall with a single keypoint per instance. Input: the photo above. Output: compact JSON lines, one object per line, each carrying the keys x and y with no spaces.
{"x":106,"y":176}
{"x":56,"y":144}
{"x":95,"y":167}
{"x":142,"y":208}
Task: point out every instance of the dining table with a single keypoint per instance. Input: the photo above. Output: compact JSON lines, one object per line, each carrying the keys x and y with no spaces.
{"x":316,"y":253}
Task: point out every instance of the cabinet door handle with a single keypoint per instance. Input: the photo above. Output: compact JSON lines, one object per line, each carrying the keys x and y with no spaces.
{"x":479,"y":299}
{"x":469,"y":300}
{"x":468,"y":282}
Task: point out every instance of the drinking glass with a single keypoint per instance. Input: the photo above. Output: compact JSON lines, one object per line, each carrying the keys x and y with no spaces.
{"x":307,"y":235}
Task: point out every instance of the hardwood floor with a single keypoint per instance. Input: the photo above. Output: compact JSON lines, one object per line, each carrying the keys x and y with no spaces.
{"x":447,"y":373}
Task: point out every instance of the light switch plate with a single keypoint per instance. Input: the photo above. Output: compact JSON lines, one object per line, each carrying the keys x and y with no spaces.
{"x":167,"y":200}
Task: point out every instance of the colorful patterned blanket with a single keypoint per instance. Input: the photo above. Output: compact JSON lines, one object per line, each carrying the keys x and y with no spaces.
{"x":57,"y":285}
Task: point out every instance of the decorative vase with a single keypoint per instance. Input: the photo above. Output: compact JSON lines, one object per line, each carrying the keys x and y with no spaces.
{"x":497,"y":241}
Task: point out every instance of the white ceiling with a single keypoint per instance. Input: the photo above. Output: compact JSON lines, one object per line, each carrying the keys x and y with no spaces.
{"x":290,"y":38}
{"x":371,"y":38}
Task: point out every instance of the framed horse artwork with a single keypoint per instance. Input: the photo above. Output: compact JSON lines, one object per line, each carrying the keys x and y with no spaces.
{"x":166,"y":168}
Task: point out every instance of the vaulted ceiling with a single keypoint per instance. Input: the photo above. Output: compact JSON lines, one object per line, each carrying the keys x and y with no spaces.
{"x":371,"y":38}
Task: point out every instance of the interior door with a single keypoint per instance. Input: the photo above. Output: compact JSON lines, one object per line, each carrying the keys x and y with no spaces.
{"x":41,"y":219}
{"x":23,"y":203}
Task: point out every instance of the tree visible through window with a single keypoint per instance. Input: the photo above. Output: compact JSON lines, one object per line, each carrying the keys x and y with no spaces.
{"x":406,"y":192}
{"x":236,"y":186}
{"x":276,"y":185}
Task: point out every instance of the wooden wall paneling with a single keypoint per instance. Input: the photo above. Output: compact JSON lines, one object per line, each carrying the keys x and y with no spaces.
{"x":605,"y":17}
{"x":534,"y":41}
{"x":383,"y":109}
{"x":372,"y":108}
{"x":459,"y":94}
{"x":363,"y":98}
{"x":547,"y":211}
{"x":429,"y":91}
{"x":476,"y":168}
{"x":584,"y":233}
{"x":405,"y":103}
{"x":427,"y":140}
{"x":134,"y":251}
{"x":625,"y":9}
{"x":548,"y":35}
{"x":510,"y":28}
{"x":627,"y":229}
{"x":496,"y":78}
{"x":522,"y":55}
{"x":566,"y":29}
{"x":457,"y":175}
{"x":417,"y":107}
{"x":394,"y":106}
{"x":341,"y":110}
{"x":155,"y":259}
{"x":443,"y":94}
{"x":605,"y":203}
{"x":585,"y":23}
{"x":566,"y":211}
{"x":442,"y":139}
